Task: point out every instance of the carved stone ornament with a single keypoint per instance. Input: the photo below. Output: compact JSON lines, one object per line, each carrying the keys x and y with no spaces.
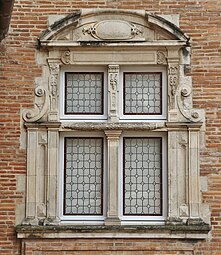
{"x":114,"y":30}
{"x":185,"y":106}
{"x":39,"y":110}
{"x":161,"y":58}
{"x":66,"y":57}
{"x":173,"y":78}
{"x":54,"y":67}
{"x":84,"y":126}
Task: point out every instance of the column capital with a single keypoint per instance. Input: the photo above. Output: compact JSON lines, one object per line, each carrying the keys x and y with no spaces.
{"x":113,"y":134}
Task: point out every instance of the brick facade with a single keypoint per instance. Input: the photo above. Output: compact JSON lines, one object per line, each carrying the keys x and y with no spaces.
{"x":201,"y":20}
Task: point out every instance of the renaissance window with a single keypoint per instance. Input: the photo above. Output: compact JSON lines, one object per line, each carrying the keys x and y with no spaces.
{"x":141,"y":156}
{"x":113,"y":113}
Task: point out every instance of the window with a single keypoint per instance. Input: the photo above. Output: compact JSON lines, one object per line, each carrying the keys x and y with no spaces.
{"x":115,"y":81}
{"x":141,"y":156}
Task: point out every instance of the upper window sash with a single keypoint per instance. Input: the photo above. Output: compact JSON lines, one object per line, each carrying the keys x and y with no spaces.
{"x":83,"y":93}
{"x":143,"y":93}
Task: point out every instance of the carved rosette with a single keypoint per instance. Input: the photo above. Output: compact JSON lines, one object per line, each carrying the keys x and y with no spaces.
{"x":54,"y":66}
{"x":173,"y":78}
{"x":39,"y":110}
{"x":113,"y":80}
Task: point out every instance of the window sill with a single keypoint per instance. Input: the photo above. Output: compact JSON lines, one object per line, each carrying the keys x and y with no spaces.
{"x":180,"y":231}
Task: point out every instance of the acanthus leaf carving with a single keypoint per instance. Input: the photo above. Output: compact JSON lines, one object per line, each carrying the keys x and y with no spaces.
{"x":39,"y":110}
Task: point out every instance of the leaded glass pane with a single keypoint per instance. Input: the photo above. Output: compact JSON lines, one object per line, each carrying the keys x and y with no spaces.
{"x":83,"y":176}
{"x":84,"y":93}
{"x":142,"y":93}
{"x":142,"y":176}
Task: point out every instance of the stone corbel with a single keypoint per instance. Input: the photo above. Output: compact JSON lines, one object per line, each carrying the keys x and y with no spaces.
{"x":40,"y":109}
{"x":54,"y":66}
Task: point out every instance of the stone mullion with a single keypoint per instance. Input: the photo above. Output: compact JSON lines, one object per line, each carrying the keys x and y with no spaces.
{"x":113,"y":83}
{"x":113,"y":177}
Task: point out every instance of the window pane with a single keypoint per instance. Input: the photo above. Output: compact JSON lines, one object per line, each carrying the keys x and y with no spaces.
{"x":142,"y":93}
{"x":83,"y":179}
{"x":142,"y":176}
{"x":84,"y":93}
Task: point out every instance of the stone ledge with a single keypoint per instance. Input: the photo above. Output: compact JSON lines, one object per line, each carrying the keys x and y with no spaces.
{"x":127,"y":231}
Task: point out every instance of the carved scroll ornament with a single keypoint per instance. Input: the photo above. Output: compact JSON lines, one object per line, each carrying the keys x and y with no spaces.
{"x":184,"y":102}
{"x":39,"y":110}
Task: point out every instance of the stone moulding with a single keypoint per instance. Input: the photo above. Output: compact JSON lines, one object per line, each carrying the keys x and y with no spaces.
{"x":181,"y":231}
{"x":112,"y":126}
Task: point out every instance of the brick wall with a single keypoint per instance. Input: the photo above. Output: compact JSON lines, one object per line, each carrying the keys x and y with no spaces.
{"x":201,"y":20}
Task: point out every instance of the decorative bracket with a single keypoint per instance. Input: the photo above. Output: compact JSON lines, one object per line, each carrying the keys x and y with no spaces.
{"x":39,"y":110}
{"x":184,"y":102}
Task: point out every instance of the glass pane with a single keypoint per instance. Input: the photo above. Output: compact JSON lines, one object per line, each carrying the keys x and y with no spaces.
{"x":83,"y":176}
{"x":142,"y":176}
{"x":142,"y":93}
{"x":84,"y":93}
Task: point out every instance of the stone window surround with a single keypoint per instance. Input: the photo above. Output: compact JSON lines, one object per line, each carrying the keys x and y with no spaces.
{"x":183,"y":126}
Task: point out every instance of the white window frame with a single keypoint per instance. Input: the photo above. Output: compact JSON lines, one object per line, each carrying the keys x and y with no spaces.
{"x":74,"y":219}
{"x":81,"y":117}
{"x":131,"y":220}
{"x":145,"y":117}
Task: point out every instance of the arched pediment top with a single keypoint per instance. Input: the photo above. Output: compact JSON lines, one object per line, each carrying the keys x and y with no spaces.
{"x":111,"y":25}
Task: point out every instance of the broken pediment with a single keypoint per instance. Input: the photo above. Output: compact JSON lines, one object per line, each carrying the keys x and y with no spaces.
{"x":111,"y":26}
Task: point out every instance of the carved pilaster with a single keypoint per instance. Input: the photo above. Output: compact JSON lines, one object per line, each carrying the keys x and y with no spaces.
{"x":113,"y":81}
{"x":54,"y":66}
{"x":173,"y":78}
{"x":52,"y":196}
{"x":112,"y":207}
{"x":194,"y":174}
{"x":36,"y":172}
